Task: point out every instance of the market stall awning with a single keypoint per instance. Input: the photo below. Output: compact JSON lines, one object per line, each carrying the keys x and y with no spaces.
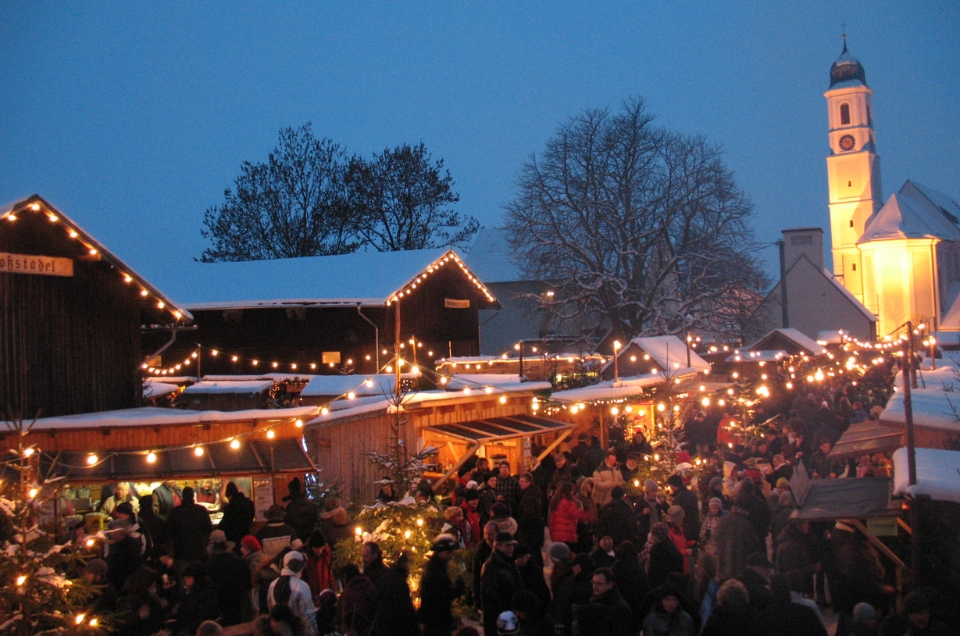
{"x":852,"y":498}
{"x":500,"y":428}
{"x":867,"y":438}
{"x":251,"y":458}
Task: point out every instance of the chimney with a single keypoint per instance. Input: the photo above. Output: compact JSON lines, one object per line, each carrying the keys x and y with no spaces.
{"x":806,"y":241}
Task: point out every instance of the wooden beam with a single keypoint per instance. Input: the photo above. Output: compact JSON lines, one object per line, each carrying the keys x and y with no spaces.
{"x":471,"y":451}
{"x":549,"y":449}
{"x":877,"y":543}
{"x":903,"y":524}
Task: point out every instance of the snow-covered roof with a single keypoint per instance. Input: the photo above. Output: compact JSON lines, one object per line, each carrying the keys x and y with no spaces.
{"x":368,"y":385}
{"x":792,"y":335}
{"x":385,"y":405}
{"x":156,"y":416}
{"x":158,"y":389}
{"x":231,"y":387}
{"x":847,"y":71}
{"x":669,"y":352}
{"x":37,"y":205}
{"x":933,"y":402}
{"x":610,"y":390}
{"x":911,"y":214}
{"x":830,"y":336}
{"x":361,"y":278}
{"x":490,"y":257}
{"x":936,"y":474}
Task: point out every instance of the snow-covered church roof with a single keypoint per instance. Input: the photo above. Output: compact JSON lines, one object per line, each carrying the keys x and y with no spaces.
{"x":915,"y":212}
{"x":361,"y":278}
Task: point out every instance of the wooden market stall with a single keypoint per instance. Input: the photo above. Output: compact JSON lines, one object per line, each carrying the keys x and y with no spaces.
{"x":258,"y":449}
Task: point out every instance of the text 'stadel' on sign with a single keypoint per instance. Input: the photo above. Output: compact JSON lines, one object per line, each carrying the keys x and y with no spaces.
{"x":37,"y":265}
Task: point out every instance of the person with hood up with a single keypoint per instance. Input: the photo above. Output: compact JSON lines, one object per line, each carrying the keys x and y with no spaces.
{"x":667,"y":617}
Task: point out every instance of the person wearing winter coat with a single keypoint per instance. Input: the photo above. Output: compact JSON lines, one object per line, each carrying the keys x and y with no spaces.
{"x":667,"y":617}
{"x":499,"y":581}
{"x":318,"y":572}
{"x":190,"y":527}
{"x":733,"y":615}
{"x":736,"y":540}
{"x":708,"y":529}
{"x":661,"y":555}
{"x":531,"y":514}
{"x":300,"y":512}
{"x":605,"y":478}
{"x":686,"y":499}
{"x":238,"y":514}
{"x":631,"y":579}
{"x":651,"y":508}
{"x":565,"y":514}
{"x":437,"y":591}
{"x":288,"y":589}
{"x":616,"y":518}
{"x":607,"y":614}
{"x":335,"y":522}
{"x":675,"y":516}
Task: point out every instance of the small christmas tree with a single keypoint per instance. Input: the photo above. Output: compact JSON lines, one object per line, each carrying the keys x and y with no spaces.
{"x":38,"y":595}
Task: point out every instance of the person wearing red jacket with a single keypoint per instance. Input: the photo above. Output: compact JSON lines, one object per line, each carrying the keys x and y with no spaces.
{"x":565,"y":512}
{"x":684,"y":545}
{"x":471,"y":517}
{"x":318,"y":572}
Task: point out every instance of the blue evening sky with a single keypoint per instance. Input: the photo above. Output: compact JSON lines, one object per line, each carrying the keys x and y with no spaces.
{"x":133,"y":117}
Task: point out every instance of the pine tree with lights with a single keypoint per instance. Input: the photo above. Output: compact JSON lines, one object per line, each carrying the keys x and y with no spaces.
{"x":37,"y":593}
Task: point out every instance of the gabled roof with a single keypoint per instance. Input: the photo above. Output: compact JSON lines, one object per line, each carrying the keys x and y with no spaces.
{"x":669,"y":352}
{"x":791,"y":336}
{"x":914,"y":213}
{"x":381,"y":385}
{"x":361,"y":278}
{"x":850,"y":297}
{"x":490,"y":257}
{"x":37,"y":205}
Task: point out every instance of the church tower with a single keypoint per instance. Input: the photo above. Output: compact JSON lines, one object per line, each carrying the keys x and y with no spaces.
{"x":853,"y":167}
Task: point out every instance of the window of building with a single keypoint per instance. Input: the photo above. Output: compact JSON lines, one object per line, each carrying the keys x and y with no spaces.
{"x":844,"y":114}
{"x":851,"y":220}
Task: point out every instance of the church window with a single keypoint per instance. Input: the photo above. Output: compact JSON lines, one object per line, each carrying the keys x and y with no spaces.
{"x":854,"y":266}
{"x":844,"y":114}
{"x":851,"y":222}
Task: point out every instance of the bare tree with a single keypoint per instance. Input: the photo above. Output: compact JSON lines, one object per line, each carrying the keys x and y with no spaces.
{"x":400,"y":200}
{"x":642,"y":230}
{"x":292,"y":205}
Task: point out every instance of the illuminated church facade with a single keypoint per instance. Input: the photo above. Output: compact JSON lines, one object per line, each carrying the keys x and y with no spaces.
{"x":899,"y":258}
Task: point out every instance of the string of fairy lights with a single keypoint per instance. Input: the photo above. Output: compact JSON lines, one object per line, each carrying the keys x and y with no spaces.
{"x":91,"y":249}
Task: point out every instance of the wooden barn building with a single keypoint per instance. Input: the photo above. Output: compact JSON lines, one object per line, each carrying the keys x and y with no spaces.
{"x":326,"y":314}
{"x":71,"y":315}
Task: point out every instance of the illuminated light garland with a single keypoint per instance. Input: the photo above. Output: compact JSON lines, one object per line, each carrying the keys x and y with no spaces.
{"x":35,"y":206}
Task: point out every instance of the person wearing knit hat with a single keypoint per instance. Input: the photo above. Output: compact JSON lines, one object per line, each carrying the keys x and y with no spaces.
{"x":708,"y":529}
{"x":252,"y":552}
{"x":652,"y":506}
{"x":916,"y":609}
{"x":437,"y":590}
{"x":290,"y":590}
{"x":507,"y":623}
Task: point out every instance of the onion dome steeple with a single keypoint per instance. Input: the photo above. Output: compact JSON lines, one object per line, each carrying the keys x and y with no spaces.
{"x":847,"y":71}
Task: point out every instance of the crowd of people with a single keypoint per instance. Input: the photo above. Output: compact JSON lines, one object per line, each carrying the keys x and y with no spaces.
{"x":579,"y":543}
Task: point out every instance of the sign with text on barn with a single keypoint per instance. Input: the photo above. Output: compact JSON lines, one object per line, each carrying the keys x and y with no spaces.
{"x":35,"y":264}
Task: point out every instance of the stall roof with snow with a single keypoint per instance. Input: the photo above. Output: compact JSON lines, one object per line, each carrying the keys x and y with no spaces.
{"x":380,"y":385}
{"x":938,"y":474}
{"x":789,"y":340}
{"x":657,"y":354}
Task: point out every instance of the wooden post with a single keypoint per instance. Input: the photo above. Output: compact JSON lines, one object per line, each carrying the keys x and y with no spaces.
{"x":396,"y":349}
